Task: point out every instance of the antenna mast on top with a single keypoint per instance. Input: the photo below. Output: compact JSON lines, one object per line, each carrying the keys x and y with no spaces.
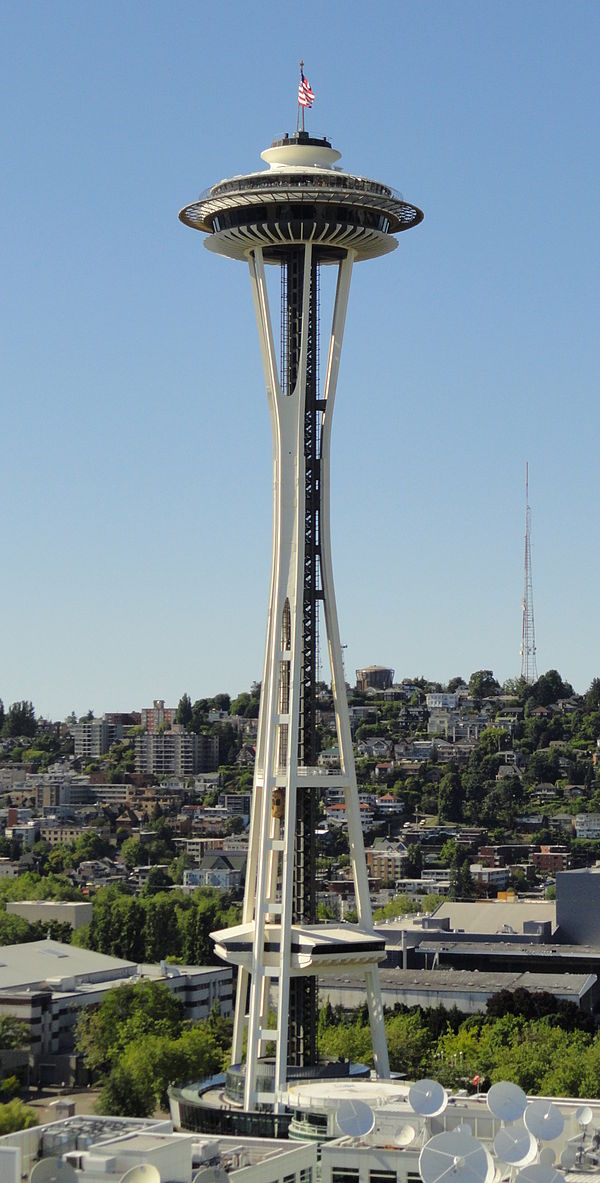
{"x":528,"y":661}
{"x":306,"y":97}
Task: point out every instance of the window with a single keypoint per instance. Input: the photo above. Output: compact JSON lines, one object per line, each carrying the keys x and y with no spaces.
{"x":344,"y":1175}
{"x":382,"y":1177}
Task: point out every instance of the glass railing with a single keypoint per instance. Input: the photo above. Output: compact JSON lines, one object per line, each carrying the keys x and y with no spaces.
{"x":318,"y":180}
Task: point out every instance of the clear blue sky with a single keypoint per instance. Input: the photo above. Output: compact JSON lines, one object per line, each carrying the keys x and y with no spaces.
{"x":136,"y":454}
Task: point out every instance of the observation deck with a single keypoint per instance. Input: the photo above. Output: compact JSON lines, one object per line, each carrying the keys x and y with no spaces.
{"x":302,"y":197}
{"x":321,"y":948}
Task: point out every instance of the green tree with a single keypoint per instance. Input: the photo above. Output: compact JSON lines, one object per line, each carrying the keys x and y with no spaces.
{"x":124,"y":1016}
{"x":14,"y":1034}
{"x":89,"y":846}
{"x":461,"y":881}
{"x":184,"y":712}
{"x":126,"y":1093}
{"x":592,"y":696}
{"x":134,"y":853}
{"x":14,"y":1115}
{"x":414,"y":860}
{"x":549,"y":688}
{"x":158,"y":879}
{"x":409,"y":1043}
{"x":450,"y":797}
{"x":350,"y":1040}
{"x":482,"y":684}
{"x":20,"y":720}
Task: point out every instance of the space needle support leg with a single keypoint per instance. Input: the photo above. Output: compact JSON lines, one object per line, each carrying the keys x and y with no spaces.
{"x":270,"y":879}
{"x":257,"y":873}
{"x":338,"y":683}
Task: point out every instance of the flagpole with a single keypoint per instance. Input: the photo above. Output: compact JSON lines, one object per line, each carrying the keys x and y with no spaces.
{"x":301,"y":77}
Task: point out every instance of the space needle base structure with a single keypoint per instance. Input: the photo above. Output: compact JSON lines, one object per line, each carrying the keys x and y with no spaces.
{"x":299,"y":215}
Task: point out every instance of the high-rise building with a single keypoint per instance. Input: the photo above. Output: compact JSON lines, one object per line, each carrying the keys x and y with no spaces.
{"x":175,"y":752}
{"x":306,"y":222}
{"x":158,"y":715}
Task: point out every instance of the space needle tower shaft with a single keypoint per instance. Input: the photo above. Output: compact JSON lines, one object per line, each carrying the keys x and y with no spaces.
{"x":301,"y":215}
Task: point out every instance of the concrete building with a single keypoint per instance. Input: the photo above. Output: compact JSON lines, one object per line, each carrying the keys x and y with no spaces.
{"x":158,"y":716}
{"x":176,"y":753}
{"x":94,"y":737}
{"x":222,"y":869}
{"x":469,"y":990}
{"x":47,"y":984}
{"x":490,"y":878}
{"x":441,"y":699}
{"x":587,"y":825}
{"x":95,"y":1149}
{"x":578,"y":905}
{"x":386,"y":859}
{"x":77,"y":913}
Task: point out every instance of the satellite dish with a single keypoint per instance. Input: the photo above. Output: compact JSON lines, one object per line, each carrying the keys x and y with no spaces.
{"x":355,"y":1118}
{"x":584,"y":1115}
{"x":406,"y":1134}
{"x":506,"y":1101}
{"x":427,"y":1098}
{"x":53,"y":1170}
{"x":143,"y":1172}
{"x":515,"y":1145}
{"x":464,"y":1128}
{"x":544,"y":1120}
{"x":211,"y":1174}
{"x":568,"y":1157}
{"x":538,"y":1173}
{"x":455,"y":1156}
{"x":547,"y":1157}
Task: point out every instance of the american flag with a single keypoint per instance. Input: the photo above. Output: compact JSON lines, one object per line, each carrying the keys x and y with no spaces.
{"x":305,"y":94}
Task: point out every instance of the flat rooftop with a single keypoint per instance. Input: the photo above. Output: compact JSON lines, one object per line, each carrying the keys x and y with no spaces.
{"x":31,"y":964}
{"x":491,"y":916}
{"x":460,"y":981}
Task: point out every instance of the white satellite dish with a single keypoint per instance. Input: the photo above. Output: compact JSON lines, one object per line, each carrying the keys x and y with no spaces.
{"x":427,"y":1097}
{"x":544,"y":1120}
{"x":538,"y":1173}
{"x":355,"y":1118}
{"x":515,"y":1145}
{"x":211,"y":1174}
{"x":568,"y":1157}
{"x":506,"y":1101}
{"x":584,"y":1115}
{"x":547,"y":1157}
{"x":455,"y":1156}
{"x":143,"y":1172}
{"x":53,"y":1170}
{"x":406,"y":1134}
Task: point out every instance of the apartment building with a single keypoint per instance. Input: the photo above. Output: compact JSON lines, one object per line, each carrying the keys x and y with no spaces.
{"x":94,"y":737}
{"x":158,"y":716}
{"x":176,"y":752}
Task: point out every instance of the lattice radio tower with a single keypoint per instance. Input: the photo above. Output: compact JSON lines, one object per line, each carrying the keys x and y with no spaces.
{"x":528,"y":662}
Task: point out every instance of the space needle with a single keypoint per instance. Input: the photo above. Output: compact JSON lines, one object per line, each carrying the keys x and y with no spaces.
{"x":301,"y":214}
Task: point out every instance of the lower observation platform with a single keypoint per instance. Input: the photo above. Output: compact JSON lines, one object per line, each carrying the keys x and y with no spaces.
{"x":314,"y":947}
{"x":215,"y":1105}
